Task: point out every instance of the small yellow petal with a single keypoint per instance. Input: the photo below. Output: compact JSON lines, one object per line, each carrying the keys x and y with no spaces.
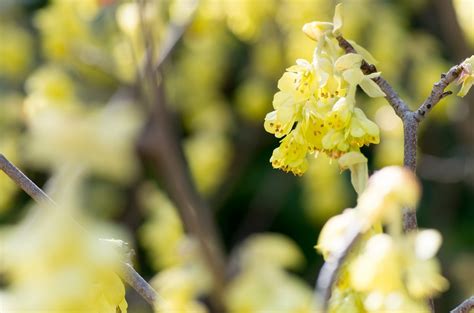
{"x":316,"y":30}
{"x":371,"y":88}
{"x":353,"y":76}
{"x":337,"y":20}
{"x":362,"y":51}
{"x":348,"y":61}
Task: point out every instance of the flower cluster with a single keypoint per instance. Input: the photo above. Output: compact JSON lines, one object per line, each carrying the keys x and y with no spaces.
{"x":315,"y":107}
{"x":385,"y":272}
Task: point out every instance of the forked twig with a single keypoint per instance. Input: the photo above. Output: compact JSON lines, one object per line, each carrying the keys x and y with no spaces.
{"x":411,"y":119}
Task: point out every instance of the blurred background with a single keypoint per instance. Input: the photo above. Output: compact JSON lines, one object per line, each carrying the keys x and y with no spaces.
{"x":78,"y":56}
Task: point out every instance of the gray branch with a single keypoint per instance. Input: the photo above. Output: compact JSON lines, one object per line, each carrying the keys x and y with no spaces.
{"x":438,"y":93}
{"x":465,"y":307}
{"x":128,"y":272}
{"x":328,"y":274}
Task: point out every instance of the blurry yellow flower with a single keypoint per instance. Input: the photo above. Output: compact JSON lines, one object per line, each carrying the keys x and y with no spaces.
{"x":49,"y":87}
{"x":333,"y":237}
{"x":72,"y":268}
{"x":387,"y":192}
{"x":423,"y":278}
{"x":267,"y":289}
{"x":92,"y":139}
{"x":15,"y":51}
{"x":467,"y":76}
{"x":378,"y":267}
{"x":163,"y":231}
{"x":271,"y":250}
{"x":208,"y":155}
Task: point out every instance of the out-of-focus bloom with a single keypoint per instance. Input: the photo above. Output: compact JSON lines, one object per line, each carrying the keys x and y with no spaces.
{"x":387,"y":266}
{"x":388,"y":190}
{"x":467,"y":76}
{"x":99,"y":140}
{"x":64,"y":28}
{"x":272,"y":250}
{"x":325,"y":190}
{"x":333,"y":236}
{"x":72,"y":268}
{"x":15,"y":51}
{"x":163,"y":231}
{"x":49,"y":87}
{"x":183,"y":277}
{"x":262,"y":283}
{"x":208,"y":155}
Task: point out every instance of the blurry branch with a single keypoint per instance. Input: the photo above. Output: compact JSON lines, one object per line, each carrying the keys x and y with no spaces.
{"x":24,"y":182}
{"x":411,"y":119}
{"x":128,"y":272}
{"x":450,"y":29}
{"x":142,"y":287}
{"x":328,"y":274}
{"x":465,"y":307}
{"x":174,"y":34}
{"x":160,"y":144}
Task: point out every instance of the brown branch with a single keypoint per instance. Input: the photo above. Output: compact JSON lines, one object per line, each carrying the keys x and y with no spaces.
{"x":160,"y":144}
{"x":465,"y":307}
{"x":438,"y":93}
{"x":128,"y":272}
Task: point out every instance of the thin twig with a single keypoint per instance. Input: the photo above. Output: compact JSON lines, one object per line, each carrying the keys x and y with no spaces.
{"x":160,"y":144}
{"x":438,"y":93}
{"x":129,"y":274}
{"x":138,"y":283}
{"x":24,"y":182}
{"x":328,"y":274}
{"x":465,"y":307}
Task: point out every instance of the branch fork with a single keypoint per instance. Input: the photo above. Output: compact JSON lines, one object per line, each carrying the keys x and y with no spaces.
{"x":411,"y":119}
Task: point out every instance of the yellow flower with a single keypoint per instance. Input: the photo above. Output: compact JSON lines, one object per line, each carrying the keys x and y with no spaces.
{"x":315,"y":107}
{"x":290,"y":156}
{"x":467,"y":76}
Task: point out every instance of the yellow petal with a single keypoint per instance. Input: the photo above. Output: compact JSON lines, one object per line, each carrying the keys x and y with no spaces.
{"x":315,"y":30}
{"x":427,"y":243}
{"x":348,"y":61}
{"x":362,"y":51}
{"x":357,"y":163}
{"x":371,"y":88}
{"x":467,"y":84}
{"x":337,"y":20}
{"x":353,"y":76}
